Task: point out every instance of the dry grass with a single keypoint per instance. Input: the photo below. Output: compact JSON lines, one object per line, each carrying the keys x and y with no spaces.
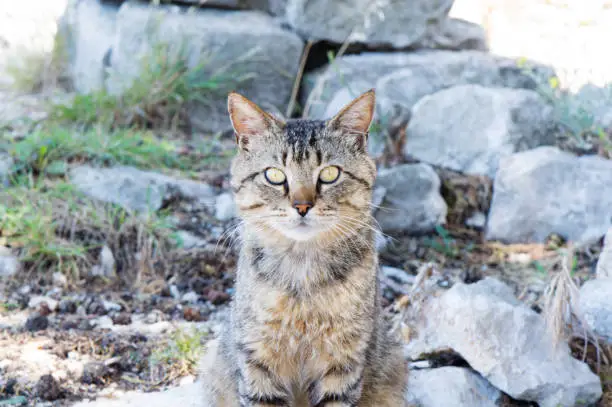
{"x":55,"y":228}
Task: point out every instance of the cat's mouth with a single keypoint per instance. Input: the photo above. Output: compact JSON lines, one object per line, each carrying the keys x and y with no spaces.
{"x":301,"y":229}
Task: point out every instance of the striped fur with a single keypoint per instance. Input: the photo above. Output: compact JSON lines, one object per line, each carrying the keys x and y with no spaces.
{"x":305,"y":326}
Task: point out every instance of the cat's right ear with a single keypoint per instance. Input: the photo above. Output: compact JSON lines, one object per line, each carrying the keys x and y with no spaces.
{"x":248,"y":120}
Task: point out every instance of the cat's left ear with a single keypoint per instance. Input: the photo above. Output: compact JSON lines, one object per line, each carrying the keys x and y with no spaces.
{"x":356,"y":117}
{"x":249,"y":121}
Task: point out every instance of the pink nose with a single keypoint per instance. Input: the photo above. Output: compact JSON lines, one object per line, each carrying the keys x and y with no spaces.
{"x":302,"y":207}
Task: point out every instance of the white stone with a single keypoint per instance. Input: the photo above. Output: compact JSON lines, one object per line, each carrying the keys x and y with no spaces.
{"x":9,"y":265}
{"x":59,"y":279}
{"x":450,"y":386}
{"x":596,"y":306}
{"x":412,"y":202}
{"x":546,"y":190}
{"x":505,"y":341}
{"x":225,"y":207}
{"x":190,"y":298}
{"x":246,"y":51}
{"x":481,"y":125}
{"x":137,"y":190}
{"x":36,"y":301}
{"x":393,"y":22}
{"x":604,"y":263}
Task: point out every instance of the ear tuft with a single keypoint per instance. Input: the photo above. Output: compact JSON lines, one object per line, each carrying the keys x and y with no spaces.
{"x":357,"y":116}
{"x":248,"y":119}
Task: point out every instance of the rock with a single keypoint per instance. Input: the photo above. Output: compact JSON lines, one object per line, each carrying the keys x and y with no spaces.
{"x":455,"y":34}
{"x":95,"y":373}
{"x":263,"y":58}
{"x":47,"y":388}
{"x":216,"y":297}
{"x":110,"y":306}
{"x":6,"y":165}
{"x":187,"y":240}
{"x":190,"y":297}
{"x":9,"y":265}
{"x":478,"y":220}
{"x":398,"y":275}
{"x":225,"y":207}
{"x":402,"y":79}
{"x":136,"y":190}
{"x":392,"y":23}
{"x":174,"y":292}
{"x":450,"y":386}
{"x":103,"y":322}
{"x":67,"y":306}
{"x":604,"y":263}
{"x":546,"y":190}
{"x":481,"y":125}
{"x":412,"y":201}
{"x":122,"y":318}
{"x":505,"y":341}
{"x":88,"y":30}
{"x":596,"y":306}
{"x":59,"y":279}
{"x":38,"y":300}
{"x":37,"y":322}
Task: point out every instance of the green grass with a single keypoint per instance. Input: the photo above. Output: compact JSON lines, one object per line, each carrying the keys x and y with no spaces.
{"x":178,"y":356}
{"x":158,"y":97}
{"x":575,"y":115}
{"x":56,"y":228}
{"x":48,"y":150}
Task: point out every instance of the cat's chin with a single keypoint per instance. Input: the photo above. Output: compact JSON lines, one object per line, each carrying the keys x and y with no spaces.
{"x":301,"y":233}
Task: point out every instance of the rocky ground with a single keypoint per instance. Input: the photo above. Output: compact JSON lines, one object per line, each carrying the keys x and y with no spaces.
{"x":117,"y":227}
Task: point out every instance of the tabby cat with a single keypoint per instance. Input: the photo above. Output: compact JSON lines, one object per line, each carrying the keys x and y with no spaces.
{"x":305,"y":327}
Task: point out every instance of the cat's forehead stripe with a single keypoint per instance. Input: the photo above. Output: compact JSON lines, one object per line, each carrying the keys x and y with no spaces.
{"x":301,"y":134}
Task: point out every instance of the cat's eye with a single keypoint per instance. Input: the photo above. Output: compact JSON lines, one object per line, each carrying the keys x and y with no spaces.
{"x":329,"y":174}
{"x":275,"y":176}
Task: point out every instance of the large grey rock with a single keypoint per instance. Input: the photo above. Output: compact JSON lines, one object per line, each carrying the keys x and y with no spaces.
{"x":506,"y":342}
{"x":401,"y":79}
{"x":604,"y":263}
{"x":454,"y":34}
{"x":137,"y":190}
{"x":596,"y":306}
{"x":412,"y":202}
{"x":88,"y":31}
{"x":546,"y":190}
{"x":481,"y":125}
{"x":240,"y":50}
{"x":450,"y":386}
{"x":393,"y":23}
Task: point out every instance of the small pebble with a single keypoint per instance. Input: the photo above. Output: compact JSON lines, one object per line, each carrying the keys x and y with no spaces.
{"x":47,"y":388}
{"x":37,"y":322}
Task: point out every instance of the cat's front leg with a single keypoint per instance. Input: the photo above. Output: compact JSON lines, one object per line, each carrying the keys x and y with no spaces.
{"x":339,"y":387}
{"x":258,"y":386}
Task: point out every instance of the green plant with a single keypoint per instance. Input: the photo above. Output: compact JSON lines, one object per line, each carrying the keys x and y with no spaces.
{"x":47,"y":150}
{"x":574,"y":114}
{"x":159,"y":96}
{"x":444,"y":243}
{"x":56,"y":228}
{"x":177,"y":357}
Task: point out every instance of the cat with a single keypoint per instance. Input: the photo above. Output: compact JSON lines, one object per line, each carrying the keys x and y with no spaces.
{"x":305,"y":327}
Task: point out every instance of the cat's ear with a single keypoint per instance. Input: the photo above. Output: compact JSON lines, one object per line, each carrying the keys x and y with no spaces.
{"x":248,"y":120}
{"x":356,"y":117}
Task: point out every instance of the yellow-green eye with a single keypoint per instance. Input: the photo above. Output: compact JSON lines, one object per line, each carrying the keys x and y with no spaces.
{"x":329,"y":174}
{"x":275,"y":176}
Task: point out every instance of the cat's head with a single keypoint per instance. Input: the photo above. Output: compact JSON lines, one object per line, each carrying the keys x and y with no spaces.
{"x":304,"y":179}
